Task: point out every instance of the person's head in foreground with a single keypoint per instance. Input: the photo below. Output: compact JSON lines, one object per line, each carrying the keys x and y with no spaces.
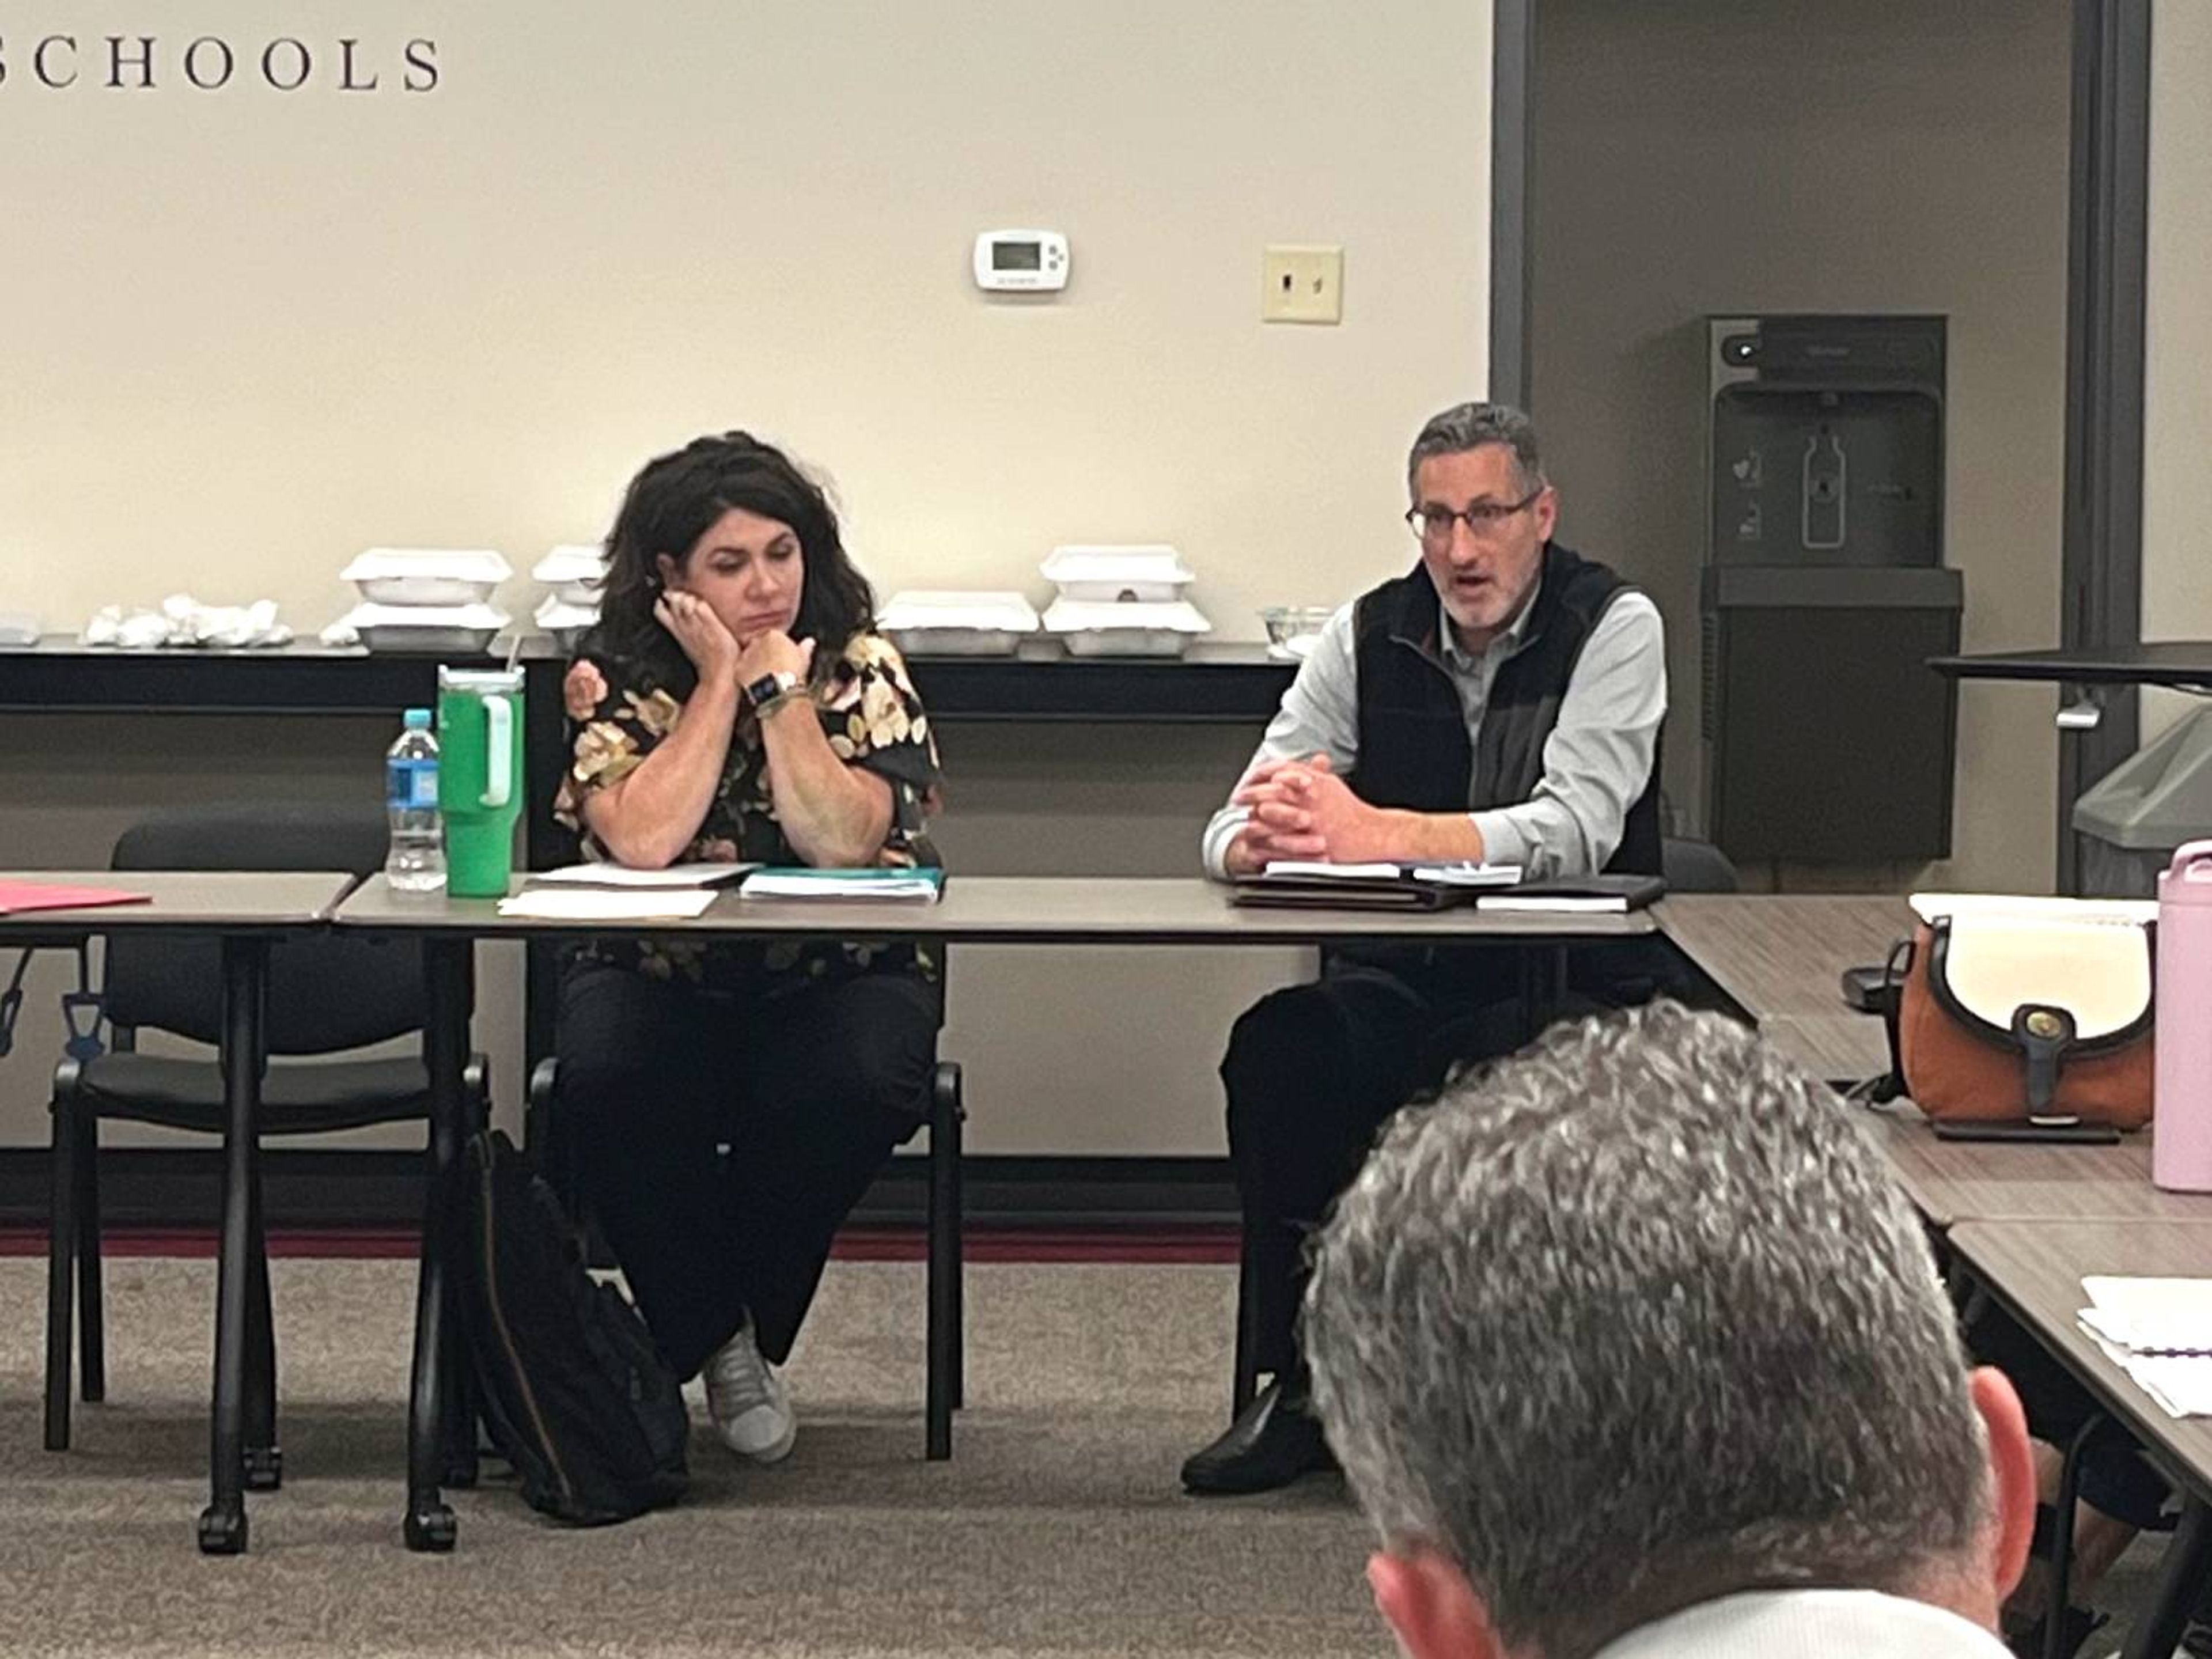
{"x":1636,"y":1322}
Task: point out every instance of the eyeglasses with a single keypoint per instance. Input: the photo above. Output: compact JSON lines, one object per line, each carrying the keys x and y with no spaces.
{"x":1483,"y":520}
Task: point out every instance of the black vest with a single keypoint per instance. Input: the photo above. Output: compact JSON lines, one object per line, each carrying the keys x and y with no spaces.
{"x":1414,"y":748}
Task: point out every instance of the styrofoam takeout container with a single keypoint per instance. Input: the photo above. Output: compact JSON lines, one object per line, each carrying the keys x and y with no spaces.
{"x":566,"y":622}
{"x":1135,"y":628}
{"x":942,"y":623}
{"x":1152,"y":573}
{"x":426,"y":575}
{"x":426,"y":627}
{"x":574,"y":571}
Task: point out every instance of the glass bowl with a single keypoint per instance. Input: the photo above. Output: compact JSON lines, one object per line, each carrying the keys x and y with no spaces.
{"x":1294,"y":630}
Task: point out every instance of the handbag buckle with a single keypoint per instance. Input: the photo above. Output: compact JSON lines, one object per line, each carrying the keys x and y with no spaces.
{"x":2044,"y":1033}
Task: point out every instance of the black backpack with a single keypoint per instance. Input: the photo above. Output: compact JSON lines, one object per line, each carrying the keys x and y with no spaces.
{"x":573,"y":1392}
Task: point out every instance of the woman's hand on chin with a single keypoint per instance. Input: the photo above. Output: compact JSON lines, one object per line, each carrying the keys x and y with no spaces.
{"x":712,"y":650}
{"x":773,"y":653}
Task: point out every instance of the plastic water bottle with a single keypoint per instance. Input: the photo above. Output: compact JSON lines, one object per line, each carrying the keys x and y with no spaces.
{"x":2181,"y":1123}
{"x":416,"y":862}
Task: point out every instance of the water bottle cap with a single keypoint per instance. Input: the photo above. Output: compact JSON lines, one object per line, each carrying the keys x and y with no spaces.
{"x":418,"y":719}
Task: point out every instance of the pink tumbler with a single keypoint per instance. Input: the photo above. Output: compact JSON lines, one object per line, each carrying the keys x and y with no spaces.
{"x":2181,"y":1135}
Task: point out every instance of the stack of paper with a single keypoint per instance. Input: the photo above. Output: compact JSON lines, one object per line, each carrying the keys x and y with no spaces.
{"x":608,"y":903}
{"x":1457,"y":873}
{"x":801,"y":882}
{"x":604,"y":874}
{"x":1597,"y":895}
{"x":2159,"y":1331}
{"x":617,"y":892}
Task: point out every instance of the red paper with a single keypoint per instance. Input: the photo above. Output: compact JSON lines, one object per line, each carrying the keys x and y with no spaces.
{"x":15,"y":895}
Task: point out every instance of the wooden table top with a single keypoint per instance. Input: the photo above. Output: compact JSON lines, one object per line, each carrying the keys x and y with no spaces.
{"x":1955,"y":1181}
{"x":1841,"y":1048}
{"x":1015,"y":909}
{"x":1783,"y":954}
{"x":183,"y":900}
{"x":2035,"y":1269}
{"x":1781,"y":958}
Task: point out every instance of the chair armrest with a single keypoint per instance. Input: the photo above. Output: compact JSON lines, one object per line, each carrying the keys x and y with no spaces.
{"x":69,"y":1082}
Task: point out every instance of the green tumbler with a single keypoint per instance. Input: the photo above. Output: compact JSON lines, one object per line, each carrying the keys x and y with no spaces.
{"x":479,"y":777}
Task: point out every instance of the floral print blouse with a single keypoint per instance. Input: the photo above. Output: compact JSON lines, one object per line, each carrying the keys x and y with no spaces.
{"x":869,"y":714}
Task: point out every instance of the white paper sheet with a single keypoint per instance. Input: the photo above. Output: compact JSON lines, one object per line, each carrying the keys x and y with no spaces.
{"x":604,"y":874}
{"x":2151,"y":1315}
{"x":608,"y":903}
{"x":2159,"y":1331}
{"x":1464,"y":874}
{"x":832,"y":885}
{"x":1450,"y":874}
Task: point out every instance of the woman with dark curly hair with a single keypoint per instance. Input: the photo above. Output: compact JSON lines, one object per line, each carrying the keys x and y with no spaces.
{"x":730,"y":1103}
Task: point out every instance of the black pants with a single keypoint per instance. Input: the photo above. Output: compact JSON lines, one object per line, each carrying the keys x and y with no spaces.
{"x":2115,"y":1478}
{"x":810,"y":1092}
{"x":1311,"y":1073}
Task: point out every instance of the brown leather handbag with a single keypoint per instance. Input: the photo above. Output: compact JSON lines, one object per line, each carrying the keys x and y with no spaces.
{"x":2036,"y":1009}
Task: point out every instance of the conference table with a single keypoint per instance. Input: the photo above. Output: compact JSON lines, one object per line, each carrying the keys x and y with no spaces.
{"x":1780,"y":958}
{"x":2034,"y":1268}
{"x":1955,"y":1181}
{"x":2027,"y":1219}
{"x":248,"y":913}
{"x":1061,"y":912}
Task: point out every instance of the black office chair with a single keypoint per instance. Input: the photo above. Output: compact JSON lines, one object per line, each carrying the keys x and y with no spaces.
{"x":1695,"y":866}
{"x":328,"y":993}
{"x":945,"y":1348}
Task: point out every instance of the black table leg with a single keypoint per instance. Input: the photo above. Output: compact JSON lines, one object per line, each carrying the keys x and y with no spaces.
{"x":945,"y":1336}
{"x":67,"y":1229}
{"x":245,"y":979}
{"x":446,"y":964}
{"x":1543,"y":987}
{"x":2181,"y":1579}
{"x":264,"y":1460}
{"x":545,"y":846}
{"x":2098,"y":1431}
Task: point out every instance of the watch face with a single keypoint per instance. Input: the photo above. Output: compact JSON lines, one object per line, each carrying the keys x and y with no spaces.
{"x":764,"y":688}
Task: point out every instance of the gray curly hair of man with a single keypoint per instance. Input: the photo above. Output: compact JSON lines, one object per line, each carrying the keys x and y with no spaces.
{"x":1470,"y":426}
{"x":1637,"y":1319}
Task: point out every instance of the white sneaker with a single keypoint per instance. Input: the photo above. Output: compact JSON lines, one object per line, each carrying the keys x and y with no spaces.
{"x":751,"y":1406}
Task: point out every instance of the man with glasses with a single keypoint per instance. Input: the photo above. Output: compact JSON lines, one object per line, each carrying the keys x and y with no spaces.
{"x":1502,"y":700}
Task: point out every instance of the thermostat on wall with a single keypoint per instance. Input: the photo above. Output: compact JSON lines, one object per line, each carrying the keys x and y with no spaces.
{"x":1021,"y":261}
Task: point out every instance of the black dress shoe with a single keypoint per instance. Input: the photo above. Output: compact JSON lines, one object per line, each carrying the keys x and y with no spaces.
{"x":1274,"y":1441}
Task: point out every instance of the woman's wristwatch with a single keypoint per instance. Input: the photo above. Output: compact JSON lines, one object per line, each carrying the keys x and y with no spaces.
{"x":769,"y":689}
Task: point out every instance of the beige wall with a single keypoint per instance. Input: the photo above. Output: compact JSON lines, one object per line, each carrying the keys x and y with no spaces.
{"x":260,"y":331}
{"x":1795,"y":155}
{"x":252,"y":333}
{"x":2176,"y":601}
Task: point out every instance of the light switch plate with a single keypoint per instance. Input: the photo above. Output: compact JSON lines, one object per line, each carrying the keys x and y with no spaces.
{"x":1301,"y":284}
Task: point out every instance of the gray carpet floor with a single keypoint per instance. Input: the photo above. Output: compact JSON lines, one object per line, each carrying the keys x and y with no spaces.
{"x":1058,"y":1528}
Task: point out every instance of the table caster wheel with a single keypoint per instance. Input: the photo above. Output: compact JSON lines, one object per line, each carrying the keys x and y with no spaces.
{"x":221,"y":1533}
{"x":431,"y":1529}
{"x":265,"y":1469}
